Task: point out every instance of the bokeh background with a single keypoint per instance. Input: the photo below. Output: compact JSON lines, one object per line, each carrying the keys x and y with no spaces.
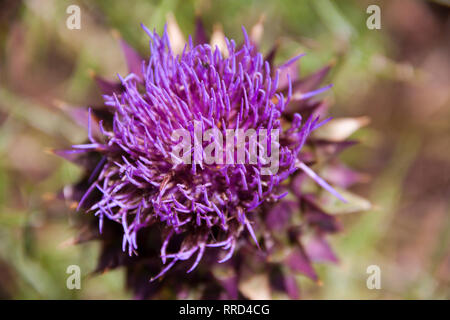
{"x":398,"y":76}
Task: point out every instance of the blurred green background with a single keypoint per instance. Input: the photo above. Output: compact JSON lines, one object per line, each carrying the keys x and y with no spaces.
{"x":397,"y":76}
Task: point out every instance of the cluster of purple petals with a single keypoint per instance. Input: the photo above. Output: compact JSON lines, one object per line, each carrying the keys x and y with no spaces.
{"x":207,"y":205}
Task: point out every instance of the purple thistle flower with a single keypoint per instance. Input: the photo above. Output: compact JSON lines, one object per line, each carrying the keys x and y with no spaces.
{"x":198,"y":210}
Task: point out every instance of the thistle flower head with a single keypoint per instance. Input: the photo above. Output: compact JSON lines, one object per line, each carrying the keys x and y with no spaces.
{"x":201,"y":208}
